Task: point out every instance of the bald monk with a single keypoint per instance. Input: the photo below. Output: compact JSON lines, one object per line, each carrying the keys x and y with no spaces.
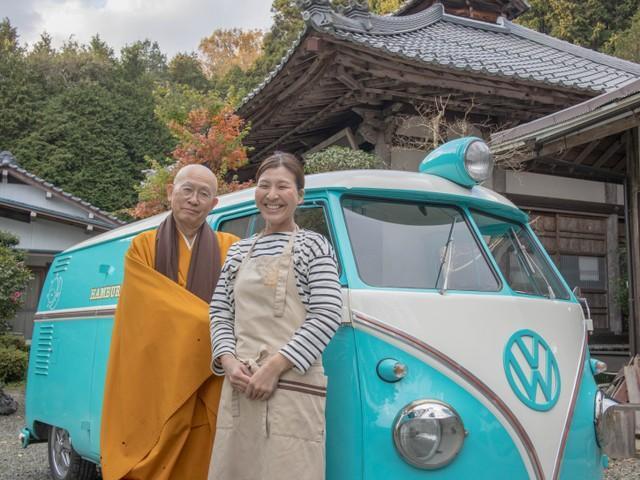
{"x":161,"y":399}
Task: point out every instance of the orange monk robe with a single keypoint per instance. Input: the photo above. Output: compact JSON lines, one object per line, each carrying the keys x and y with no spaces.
{"x":161,"y":400}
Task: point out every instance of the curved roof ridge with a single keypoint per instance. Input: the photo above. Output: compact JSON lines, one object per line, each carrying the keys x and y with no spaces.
{"x":500,"y":27}
{"x":325,"y":19}
{"x":586,"y":53}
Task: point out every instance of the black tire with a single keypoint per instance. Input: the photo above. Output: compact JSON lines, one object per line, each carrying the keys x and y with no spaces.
{"x":64,"y":461}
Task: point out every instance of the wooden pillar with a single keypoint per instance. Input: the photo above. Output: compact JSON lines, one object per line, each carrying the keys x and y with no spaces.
{"x":382,"y":148}
{"x":632,"y":213}
{"x":613,"y":262}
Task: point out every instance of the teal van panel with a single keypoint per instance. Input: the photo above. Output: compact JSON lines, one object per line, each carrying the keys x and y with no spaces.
{"x":343,"y":410}
{"x":72,"y":276}
{"x":487,"y":446}
{"x":582,"y":456}
{"x":65,"y":385}
{"x":104,"y":328}
{"x":58,"y":395}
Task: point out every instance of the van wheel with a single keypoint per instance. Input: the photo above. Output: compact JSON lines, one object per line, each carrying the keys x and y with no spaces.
{"x":64,"y":461}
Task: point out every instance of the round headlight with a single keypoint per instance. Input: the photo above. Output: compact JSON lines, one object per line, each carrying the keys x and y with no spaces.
{"x":428,"y":434}
{"x":478,"y":161}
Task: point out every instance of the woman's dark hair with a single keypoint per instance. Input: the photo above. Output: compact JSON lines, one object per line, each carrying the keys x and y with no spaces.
{"x":286,"y":160}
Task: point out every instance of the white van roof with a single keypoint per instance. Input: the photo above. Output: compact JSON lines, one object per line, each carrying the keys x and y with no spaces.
{"x":374,"y":179}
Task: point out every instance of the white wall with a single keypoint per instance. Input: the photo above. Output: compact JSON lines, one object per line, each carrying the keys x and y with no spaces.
{"x":45,"y":234}
{"x":539,"y":185}
{"x":407,"y":160}
{"x":35,"y":196}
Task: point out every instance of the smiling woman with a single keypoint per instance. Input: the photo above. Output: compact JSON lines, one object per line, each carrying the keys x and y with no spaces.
{"x":275,"y":308}
{"x":279,"y":191}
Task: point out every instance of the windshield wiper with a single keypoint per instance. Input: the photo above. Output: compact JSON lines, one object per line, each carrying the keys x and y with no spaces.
{"x":533,"y":267}
{"x":445,"y":263}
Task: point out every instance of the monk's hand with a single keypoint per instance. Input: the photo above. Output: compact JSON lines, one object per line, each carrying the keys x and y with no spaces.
{"x":236,"y":371}
{"x":264,"y":381}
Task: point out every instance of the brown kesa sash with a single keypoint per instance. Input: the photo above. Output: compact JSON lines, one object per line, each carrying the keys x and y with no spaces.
{"x":204,"y":269}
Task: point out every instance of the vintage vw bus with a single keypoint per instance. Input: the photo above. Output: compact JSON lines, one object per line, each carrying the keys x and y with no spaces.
{"x":462,"y":354}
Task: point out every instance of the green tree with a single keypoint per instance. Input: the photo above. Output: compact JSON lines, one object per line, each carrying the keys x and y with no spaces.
{"x":92,"y":140}
{"x":173,"y":102}
{"x":21,"y":90}
{"x":589,"y":23}
{"x":14,"y":276}
{"x":144,"y":58}
{"x":8,"y":37}
{"x":82,"y":118}
{"x":385,"y":6}
{"x":626,"y":44}
{"x":186,"y":69}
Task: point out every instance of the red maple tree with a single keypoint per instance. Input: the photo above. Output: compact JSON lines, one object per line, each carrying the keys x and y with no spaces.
{"x":211,"y":139}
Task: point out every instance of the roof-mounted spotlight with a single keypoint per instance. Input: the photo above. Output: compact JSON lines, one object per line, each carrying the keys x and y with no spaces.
{"x":466,"y":161}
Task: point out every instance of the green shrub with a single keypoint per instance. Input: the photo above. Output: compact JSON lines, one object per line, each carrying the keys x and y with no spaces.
{"x":13,"y":364}
{"x":335,"y":158}
{"x":16,"y":341}
{"x":14,"y":276}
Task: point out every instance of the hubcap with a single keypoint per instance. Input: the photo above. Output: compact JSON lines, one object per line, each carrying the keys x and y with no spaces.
{"x":61,"y":457}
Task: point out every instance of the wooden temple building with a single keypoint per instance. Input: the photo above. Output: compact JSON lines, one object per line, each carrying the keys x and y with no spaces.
{"x":378,"y":83}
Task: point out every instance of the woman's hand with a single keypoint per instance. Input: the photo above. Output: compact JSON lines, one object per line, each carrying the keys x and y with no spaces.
{"x":236,"y":371}
{"x":264,"y":381}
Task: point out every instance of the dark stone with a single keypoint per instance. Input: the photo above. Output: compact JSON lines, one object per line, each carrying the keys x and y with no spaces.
{"x":8,"y":405}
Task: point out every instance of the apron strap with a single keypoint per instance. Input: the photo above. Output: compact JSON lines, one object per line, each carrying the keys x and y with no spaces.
{"x":283,"y":276}
{"x":248,"y":255}
{"x":284,"y":263}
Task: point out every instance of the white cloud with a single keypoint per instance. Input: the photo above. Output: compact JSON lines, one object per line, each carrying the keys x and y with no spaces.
{"x":177,"y":25}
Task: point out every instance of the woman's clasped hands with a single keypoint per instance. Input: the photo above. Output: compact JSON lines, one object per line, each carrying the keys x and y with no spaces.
{"x":258,"y":385}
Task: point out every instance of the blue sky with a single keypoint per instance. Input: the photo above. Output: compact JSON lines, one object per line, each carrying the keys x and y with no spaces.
{"x":177,"y":25}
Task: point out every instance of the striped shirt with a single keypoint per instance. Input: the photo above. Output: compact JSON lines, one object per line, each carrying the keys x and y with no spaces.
{"x":316,"y":273}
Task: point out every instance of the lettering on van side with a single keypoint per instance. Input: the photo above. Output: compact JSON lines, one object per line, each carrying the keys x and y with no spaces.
{"x":100,"y":293}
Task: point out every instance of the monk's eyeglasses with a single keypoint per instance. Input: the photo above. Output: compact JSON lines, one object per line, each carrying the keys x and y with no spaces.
{"x":187,"y":191}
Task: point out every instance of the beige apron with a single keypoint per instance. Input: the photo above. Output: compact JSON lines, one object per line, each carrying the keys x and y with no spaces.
{"x":281,"y":438}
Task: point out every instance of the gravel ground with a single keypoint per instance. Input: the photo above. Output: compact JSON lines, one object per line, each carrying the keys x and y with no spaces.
{"x":17,"y":463}
{"x":623,"y":470}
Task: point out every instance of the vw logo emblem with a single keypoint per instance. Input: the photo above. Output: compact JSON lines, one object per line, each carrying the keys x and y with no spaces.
{"x":532,"y":370}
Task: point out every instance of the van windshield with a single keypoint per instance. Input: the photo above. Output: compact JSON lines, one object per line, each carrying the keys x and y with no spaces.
{"x":522,"y":263}
{"x":415,"y":245}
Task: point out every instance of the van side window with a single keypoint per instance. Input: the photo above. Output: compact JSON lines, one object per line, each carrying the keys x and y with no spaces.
{"x":310,"y":216}
{"x":404,"y":244}
{"x":522,"y":263}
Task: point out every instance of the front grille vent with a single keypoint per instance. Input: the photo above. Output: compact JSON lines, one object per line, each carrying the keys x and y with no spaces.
{"x":62,"y":264}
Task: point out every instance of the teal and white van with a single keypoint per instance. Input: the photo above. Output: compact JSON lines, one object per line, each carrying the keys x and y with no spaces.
{"x":462,"y":353}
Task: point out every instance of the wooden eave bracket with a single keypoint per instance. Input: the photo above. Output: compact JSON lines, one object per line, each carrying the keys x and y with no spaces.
{"x":314,"y":44}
